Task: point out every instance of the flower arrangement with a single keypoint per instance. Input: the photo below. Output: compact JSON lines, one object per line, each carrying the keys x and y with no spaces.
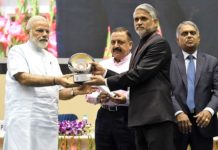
{"x":74,"y":128}
{"x":12,"y":27}
{"x":70,"y":135}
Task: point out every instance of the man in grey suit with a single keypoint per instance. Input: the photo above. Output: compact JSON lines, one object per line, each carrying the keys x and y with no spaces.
{"x":194,"y":79}
{"x":150,"y":108}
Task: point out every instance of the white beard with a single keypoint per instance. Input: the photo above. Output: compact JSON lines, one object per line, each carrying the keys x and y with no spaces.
{"x":38,"y":43}
{"x":42,"y":45}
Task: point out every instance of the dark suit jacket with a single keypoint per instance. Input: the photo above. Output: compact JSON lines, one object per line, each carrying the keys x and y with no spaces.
{"x":148,"y":79}
{"x":206,"y":87}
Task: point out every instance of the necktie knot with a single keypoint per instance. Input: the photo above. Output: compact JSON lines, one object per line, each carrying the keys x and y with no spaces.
{"x":190,"y":57}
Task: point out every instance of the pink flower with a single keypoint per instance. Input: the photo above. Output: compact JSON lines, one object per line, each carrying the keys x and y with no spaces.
{"x":4,"y":41}
{"x":17,"y":10}
{"x":55,"y":10}
{"x":21,"y":18}
{"x":21,"y":2}
{"x":52,"y":45}
{"x":3,"y":38}
{"x":2,"y":22}
{"x":15,"y":28}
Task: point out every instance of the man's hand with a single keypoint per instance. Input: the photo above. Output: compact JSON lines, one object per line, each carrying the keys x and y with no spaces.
{"x":103,"y":97}
{"x":95,"y":80}
{"x":203,"y":118}
{"x":184,"y":123}
{"x":68,"y":93}
{"x":83,"y":89}
{"x":119,"y":98}
{"x":66,"y":81}
{"x":97,"y":69}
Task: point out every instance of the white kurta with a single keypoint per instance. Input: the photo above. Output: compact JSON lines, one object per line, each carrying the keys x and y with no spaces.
{"x":31,"y":112}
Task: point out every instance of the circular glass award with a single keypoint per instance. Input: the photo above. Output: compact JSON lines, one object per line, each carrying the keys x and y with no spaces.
{"x":79,"y":64}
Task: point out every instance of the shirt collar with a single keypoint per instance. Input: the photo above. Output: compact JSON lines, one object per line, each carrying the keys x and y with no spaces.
{"x":127,"y":58}
{"x":185,"y":54}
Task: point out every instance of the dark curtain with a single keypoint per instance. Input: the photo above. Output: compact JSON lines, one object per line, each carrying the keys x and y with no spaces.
{"x":82,"y":24}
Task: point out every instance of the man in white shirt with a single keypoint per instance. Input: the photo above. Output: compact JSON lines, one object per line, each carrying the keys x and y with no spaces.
{"x":111,"y":127}
{"x":34,"y":83}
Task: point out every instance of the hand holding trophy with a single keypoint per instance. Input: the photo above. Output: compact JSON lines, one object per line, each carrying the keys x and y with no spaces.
{"x":80,"y":65}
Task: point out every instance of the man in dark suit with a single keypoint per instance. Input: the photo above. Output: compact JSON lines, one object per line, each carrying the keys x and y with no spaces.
{"x":150,"y":109}
{"x":194,"y":78}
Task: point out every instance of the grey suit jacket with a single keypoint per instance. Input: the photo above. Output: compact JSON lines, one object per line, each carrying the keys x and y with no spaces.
{"x":148,"y":79}
{"x":206,"y":87}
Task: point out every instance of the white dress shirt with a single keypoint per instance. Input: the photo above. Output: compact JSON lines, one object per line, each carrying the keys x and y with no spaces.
{"x":118,"y":67}
{"x":185,"y":54}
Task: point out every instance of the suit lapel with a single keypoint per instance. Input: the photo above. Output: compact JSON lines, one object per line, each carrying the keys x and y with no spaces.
{"x":133,"y":57}
{"x":181,"y":65}
{"x":199,"y":66}
{"x":137,"y":53}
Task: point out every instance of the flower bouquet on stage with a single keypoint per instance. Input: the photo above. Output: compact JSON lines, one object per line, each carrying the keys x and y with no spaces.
{"x":76,"y":135}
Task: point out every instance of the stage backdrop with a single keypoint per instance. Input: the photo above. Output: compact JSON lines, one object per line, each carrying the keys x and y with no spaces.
{"x":82,"y":24}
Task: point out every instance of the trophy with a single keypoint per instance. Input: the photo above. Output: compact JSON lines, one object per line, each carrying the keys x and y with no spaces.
{"x":79,"y":64}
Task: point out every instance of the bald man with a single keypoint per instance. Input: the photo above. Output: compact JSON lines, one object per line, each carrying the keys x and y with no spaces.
{"x":34,"y":83}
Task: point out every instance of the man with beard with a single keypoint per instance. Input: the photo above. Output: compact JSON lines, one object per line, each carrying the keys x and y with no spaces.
{"x":34,"y":83}
{"x":150,"y":109}
{"x":195,"y":91}
{"x":111,"y":126}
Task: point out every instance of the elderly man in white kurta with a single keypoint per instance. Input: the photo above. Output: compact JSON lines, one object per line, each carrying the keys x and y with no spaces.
{"x":34,"y":83}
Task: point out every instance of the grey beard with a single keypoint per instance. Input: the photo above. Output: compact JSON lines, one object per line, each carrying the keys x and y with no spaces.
{"x":141,"y":33}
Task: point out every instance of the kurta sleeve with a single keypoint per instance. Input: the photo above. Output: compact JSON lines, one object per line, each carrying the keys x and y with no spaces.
{"x":16,"y":61}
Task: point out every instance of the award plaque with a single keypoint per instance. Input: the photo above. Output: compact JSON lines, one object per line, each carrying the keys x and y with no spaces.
{"x":79,"y":64}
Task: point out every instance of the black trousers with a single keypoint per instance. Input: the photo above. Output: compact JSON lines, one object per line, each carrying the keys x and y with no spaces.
{"x":155,"y":136}
{"x":111,"y":130}
{"x":194,"y":139}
